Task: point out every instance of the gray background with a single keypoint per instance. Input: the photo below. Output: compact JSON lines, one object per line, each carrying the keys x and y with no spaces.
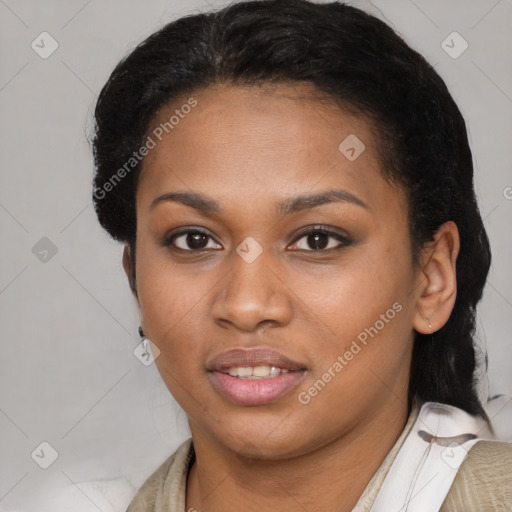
{"x":69,"y":324}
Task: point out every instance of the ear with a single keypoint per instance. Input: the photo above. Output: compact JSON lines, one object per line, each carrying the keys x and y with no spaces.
{"x":129,"y":268}
{"x":438,"y":280}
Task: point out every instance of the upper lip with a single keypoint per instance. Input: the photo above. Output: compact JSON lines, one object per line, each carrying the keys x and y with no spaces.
{"x":252,"y":357}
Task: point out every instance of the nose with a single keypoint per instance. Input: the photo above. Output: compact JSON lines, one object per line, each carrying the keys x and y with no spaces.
{"x":253,"y":294}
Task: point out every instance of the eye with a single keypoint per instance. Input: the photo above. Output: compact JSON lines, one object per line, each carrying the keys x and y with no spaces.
{"x":321,"y":239}
{"x":192,"y":240}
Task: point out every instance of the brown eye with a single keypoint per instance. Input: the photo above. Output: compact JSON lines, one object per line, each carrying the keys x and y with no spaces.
{"x":321,"y":240}
{"x":317,"y":240}
{"x":191,"y":241}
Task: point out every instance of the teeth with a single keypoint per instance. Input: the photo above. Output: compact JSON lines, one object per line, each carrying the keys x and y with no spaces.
{"x":244,"y":372}
{"x":256,"y":372}
{"x":261,"y":371}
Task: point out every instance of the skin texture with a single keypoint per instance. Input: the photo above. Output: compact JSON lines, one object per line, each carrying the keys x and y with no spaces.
{"x":250,"y":149}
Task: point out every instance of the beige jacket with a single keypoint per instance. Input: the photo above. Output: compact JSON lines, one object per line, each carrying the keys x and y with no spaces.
{"x":483,"y":482}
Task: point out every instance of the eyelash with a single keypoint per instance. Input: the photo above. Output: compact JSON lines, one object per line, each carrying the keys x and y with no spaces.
{"x":344,"y":240}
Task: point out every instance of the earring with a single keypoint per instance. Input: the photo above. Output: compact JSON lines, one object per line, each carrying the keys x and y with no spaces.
{"x":144,"y":340}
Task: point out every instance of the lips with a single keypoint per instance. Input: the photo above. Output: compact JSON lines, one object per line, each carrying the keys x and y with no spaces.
{"x":255,"y":376}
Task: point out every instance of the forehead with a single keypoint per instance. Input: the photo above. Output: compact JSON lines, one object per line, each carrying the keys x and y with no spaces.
{"x":257,"y":141}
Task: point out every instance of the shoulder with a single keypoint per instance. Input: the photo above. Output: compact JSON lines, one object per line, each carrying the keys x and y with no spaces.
{"x":166,"y":483}
{"x":484,"y":479}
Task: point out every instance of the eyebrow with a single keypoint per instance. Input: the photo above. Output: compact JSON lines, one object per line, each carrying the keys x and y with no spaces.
{"x":307,"y":201}
{"x":291,"y":205}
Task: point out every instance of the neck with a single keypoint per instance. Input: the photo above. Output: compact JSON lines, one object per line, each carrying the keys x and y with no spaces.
{"x":330,"y":478}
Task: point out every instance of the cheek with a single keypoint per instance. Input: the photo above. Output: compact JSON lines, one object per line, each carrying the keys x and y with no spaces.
{"x":165,"y":291}
{"x":347,"y":298}
{"x":172,"y":311}
{"x":363,"y":315}
{"x":362,"y":346}
{"x":171,"y":301}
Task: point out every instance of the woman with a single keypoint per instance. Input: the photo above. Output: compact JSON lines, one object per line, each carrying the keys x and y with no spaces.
{"x":293,"y":186}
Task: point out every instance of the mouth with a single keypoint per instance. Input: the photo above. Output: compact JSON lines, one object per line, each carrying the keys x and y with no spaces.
{"x":255,"y":376}
{"x":255,"y":372}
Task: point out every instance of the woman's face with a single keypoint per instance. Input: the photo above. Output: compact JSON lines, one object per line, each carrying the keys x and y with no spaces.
{"x":321,"y":285}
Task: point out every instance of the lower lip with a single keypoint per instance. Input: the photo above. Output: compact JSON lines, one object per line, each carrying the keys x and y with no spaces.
{"x":255,"y":391}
